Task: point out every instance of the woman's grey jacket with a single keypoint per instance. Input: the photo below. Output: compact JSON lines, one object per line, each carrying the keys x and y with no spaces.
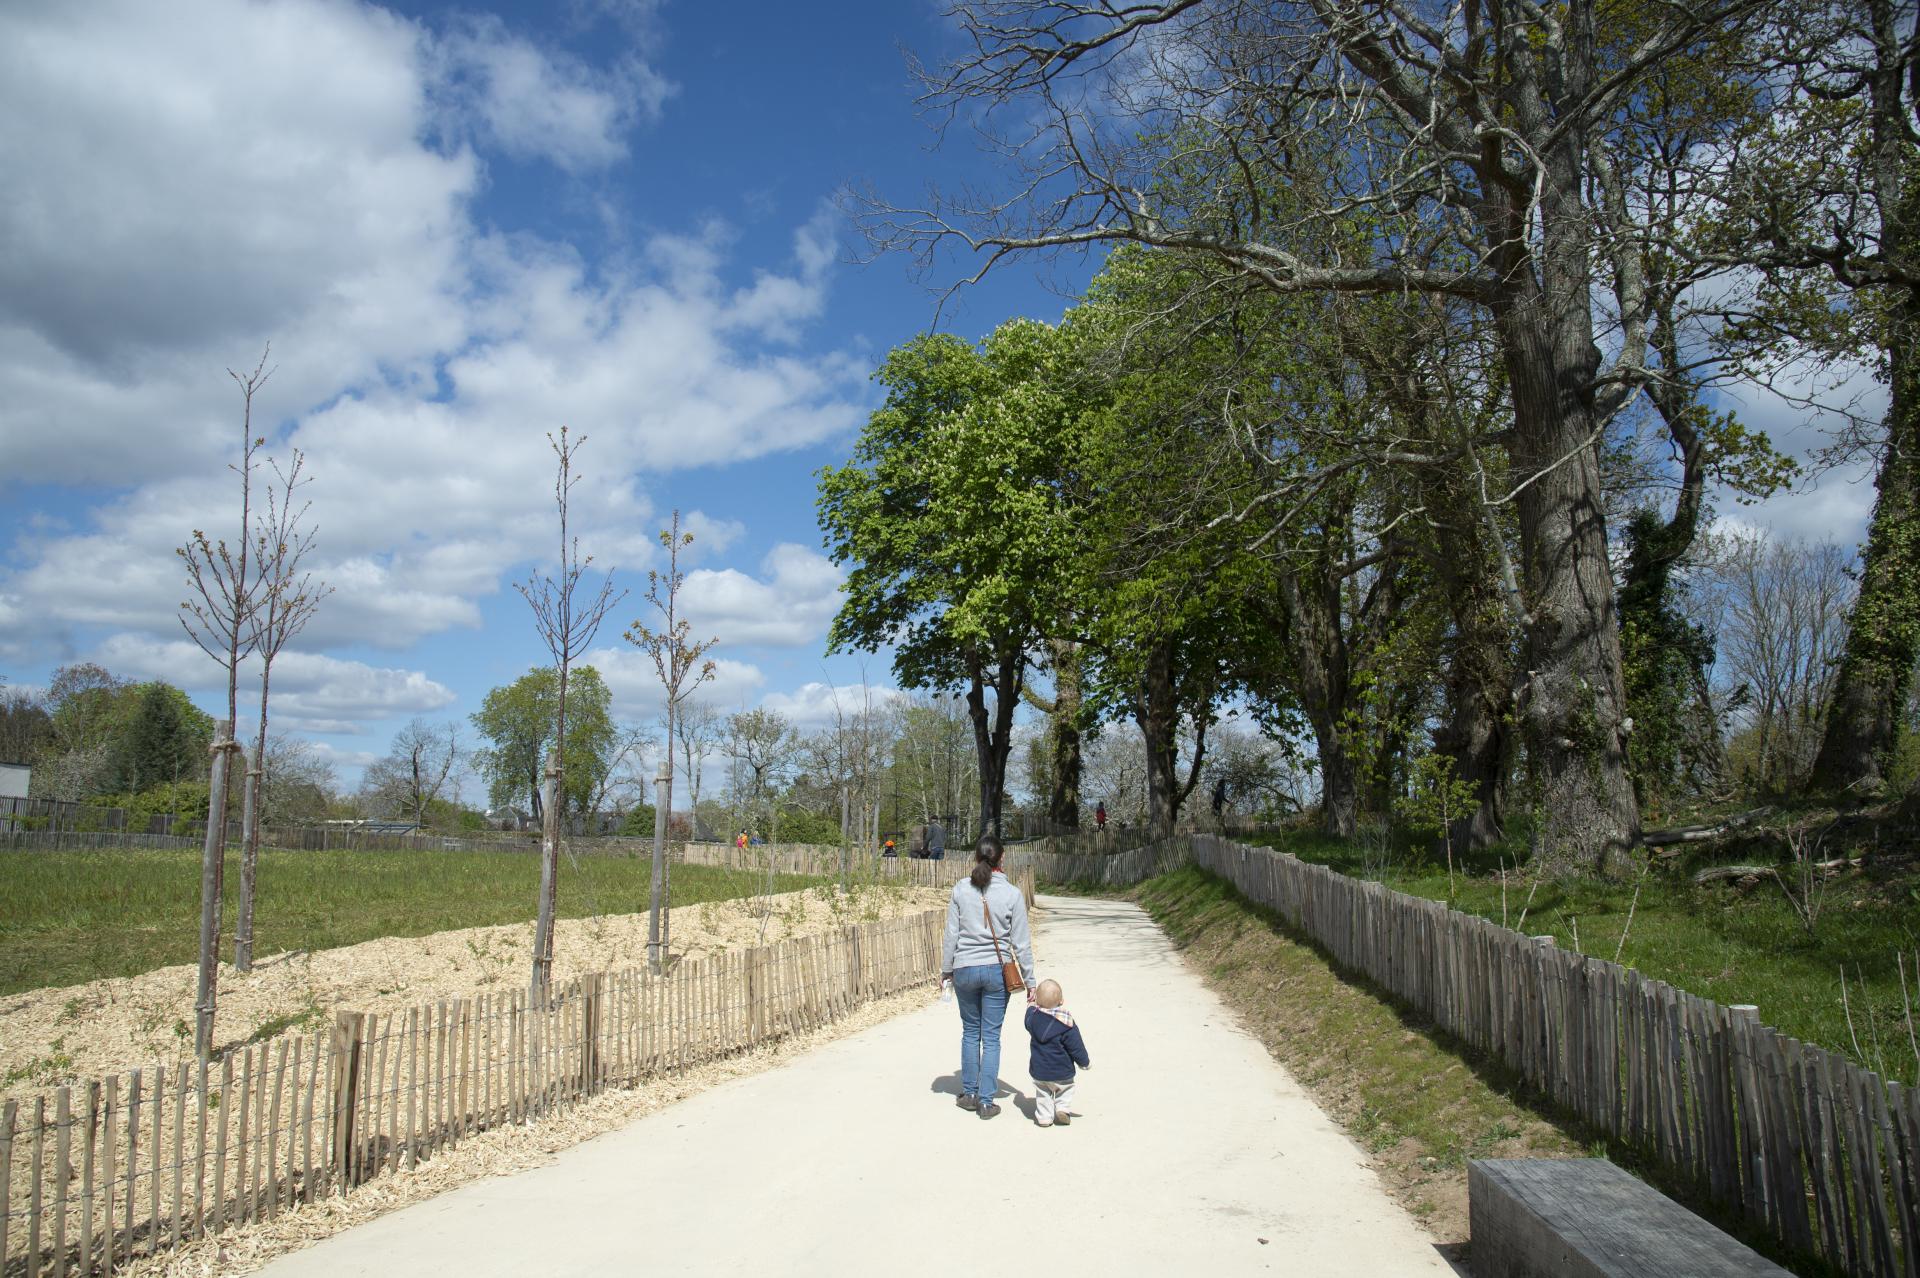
{"x":968,"y":943}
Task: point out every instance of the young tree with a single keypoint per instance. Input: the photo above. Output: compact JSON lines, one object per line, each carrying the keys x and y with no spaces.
{"x":676,"y":659}
{"x":220,"y":620}
{"x":567,"y":626}
{"x":288,"y":599}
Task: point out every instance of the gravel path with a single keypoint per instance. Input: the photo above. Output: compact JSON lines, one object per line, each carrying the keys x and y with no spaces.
{"x":1196,"y":1154}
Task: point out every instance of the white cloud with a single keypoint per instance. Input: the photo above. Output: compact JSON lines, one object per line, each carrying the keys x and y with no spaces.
{"x":538,"y":105}
{"x":790,"y":607}
{"x":310,"y":690}
{"x":635,"y":685}
{"x":816,"y":705}
{"x":200,"y":178}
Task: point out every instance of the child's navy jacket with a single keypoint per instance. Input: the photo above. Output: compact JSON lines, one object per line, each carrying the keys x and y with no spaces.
{"x":1056,"y":1046}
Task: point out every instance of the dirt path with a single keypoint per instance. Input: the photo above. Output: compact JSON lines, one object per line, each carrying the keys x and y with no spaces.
{"x":1197,"y":1154}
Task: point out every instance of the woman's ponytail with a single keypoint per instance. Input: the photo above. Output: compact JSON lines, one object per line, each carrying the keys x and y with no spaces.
{"x":986,"y":859}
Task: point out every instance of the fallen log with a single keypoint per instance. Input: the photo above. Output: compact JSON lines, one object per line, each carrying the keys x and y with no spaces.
{"x":1701,"y":833}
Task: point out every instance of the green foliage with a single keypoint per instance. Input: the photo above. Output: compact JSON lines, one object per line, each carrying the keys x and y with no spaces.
{"x":1664,"y":657}
{"x":1434,"y":799}
{"x":638,"y":823}
{"x":186,"y":800}
{"x":805,"y":825}
{"x":518,"y":722}
{"x":950,"y":510}
{"x":160,"y":736}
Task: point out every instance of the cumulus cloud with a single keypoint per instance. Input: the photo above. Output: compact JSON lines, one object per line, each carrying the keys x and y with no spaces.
{"x":817,"y":705}
{"x":635,"y":686}
{"x":789,"y":606}
{"x":539,"y":105}
{"x":206,"y":176}
{"x":310,"y":690}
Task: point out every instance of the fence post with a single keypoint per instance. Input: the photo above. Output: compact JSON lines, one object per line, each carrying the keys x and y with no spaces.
{"x":349,"y":1029}
{"x":590,"y":1025}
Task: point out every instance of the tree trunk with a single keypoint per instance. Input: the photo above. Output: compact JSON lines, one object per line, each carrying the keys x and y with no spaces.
{"x":1310,"y":625}
{"x":249,"y":859}
{"x":993,"y":737}
{"x":1883,"y":638}
{"x":213,"y":859}
{"x":1063,"y":806}
{"x":1574,"y":703}
{"x":1477,"y":735}
{"x":1339,"y":782}
{"x":549,"y":882}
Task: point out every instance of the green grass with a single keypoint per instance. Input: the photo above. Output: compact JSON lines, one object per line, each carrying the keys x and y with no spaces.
{"x":1719,"y":941}
{"x":68,"y":917}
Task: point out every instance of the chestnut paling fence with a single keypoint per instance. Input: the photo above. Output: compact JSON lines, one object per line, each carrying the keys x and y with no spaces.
{"x":1808,"y":1146}
{"x":94,"y":1174}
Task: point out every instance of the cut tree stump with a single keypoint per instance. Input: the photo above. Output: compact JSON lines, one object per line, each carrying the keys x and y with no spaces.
{"x":1587,"y":1218}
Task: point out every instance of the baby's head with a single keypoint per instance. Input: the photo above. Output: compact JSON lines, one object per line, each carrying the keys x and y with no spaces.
{"x":1047,"y":994}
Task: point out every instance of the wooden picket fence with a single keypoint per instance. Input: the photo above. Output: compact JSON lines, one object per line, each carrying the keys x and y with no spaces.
{"x":96,"y":1174}
{"x":1807,"y":1146}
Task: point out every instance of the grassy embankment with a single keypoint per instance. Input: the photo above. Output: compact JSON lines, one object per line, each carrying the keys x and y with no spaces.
{"x":68,"y":917}
{"x":1720,"y":941}
{"x":1421,"y":1103}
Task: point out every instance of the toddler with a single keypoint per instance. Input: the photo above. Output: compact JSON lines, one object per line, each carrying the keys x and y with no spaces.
{"x":1057,"y":1048}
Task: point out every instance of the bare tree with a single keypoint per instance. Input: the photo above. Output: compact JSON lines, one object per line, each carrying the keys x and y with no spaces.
{"x":1782,"y":610}
{"x":761,"y":744}
{"x":220,"y":620}
{"x":287,"y":600}
{"x":697,"y":730}
{"x":676,"y":658}
{"x":415,"y":771}
{"x":567,"y":626}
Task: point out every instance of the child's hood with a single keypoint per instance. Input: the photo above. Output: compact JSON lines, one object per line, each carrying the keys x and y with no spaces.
{"x":1047,"y":1024}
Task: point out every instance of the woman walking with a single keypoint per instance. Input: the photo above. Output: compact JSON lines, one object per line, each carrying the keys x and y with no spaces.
{"x":986,"y":931}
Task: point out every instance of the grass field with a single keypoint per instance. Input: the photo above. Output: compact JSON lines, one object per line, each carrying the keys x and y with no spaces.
{"x":1729,"y":944}
{"x":68,"y":917}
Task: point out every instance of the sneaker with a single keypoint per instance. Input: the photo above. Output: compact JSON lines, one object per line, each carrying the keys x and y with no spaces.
{"x":1038,"y":1123}
{"x":989,"y":1109}
{"x":1062,"y":1119}
{"x":967,"y":1101}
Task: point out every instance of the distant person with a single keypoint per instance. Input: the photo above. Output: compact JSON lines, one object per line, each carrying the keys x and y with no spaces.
{"x":890,"y":850}
{"x":1057,"y":1048}
{"x":936,"y":842}
{"x":741,"y":842}
{"x":1100,"y":817}
{"x":986,"y":930}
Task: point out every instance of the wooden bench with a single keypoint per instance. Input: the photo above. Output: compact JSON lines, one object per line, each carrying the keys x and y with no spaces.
{"x":1586,"y":1218}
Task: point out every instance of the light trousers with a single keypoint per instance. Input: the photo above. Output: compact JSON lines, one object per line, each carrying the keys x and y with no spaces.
{"x":1050,"y":1099}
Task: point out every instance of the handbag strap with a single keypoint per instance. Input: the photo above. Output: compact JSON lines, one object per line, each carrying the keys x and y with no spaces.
{"x":989,"y":913}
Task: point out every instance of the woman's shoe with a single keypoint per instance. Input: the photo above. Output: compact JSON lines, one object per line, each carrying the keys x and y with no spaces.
{"x":1062,"y":1118}
{"x":968,"y":1101}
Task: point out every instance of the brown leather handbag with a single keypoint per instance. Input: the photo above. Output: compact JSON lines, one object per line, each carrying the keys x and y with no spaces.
{"x":1009,"y":971}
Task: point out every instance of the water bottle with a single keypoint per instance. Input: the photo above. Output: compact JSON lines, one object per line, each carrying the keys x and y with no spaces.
{"x":946,"y":991}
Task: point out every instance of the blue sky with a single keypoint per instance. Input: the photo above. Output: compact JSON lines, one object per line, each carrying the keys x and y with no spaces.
{"x":460,"y":227}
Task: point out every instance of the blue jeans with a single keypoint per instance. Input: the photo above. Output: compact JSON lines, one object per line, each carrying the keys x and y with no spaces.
{"x":982,"y":995}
